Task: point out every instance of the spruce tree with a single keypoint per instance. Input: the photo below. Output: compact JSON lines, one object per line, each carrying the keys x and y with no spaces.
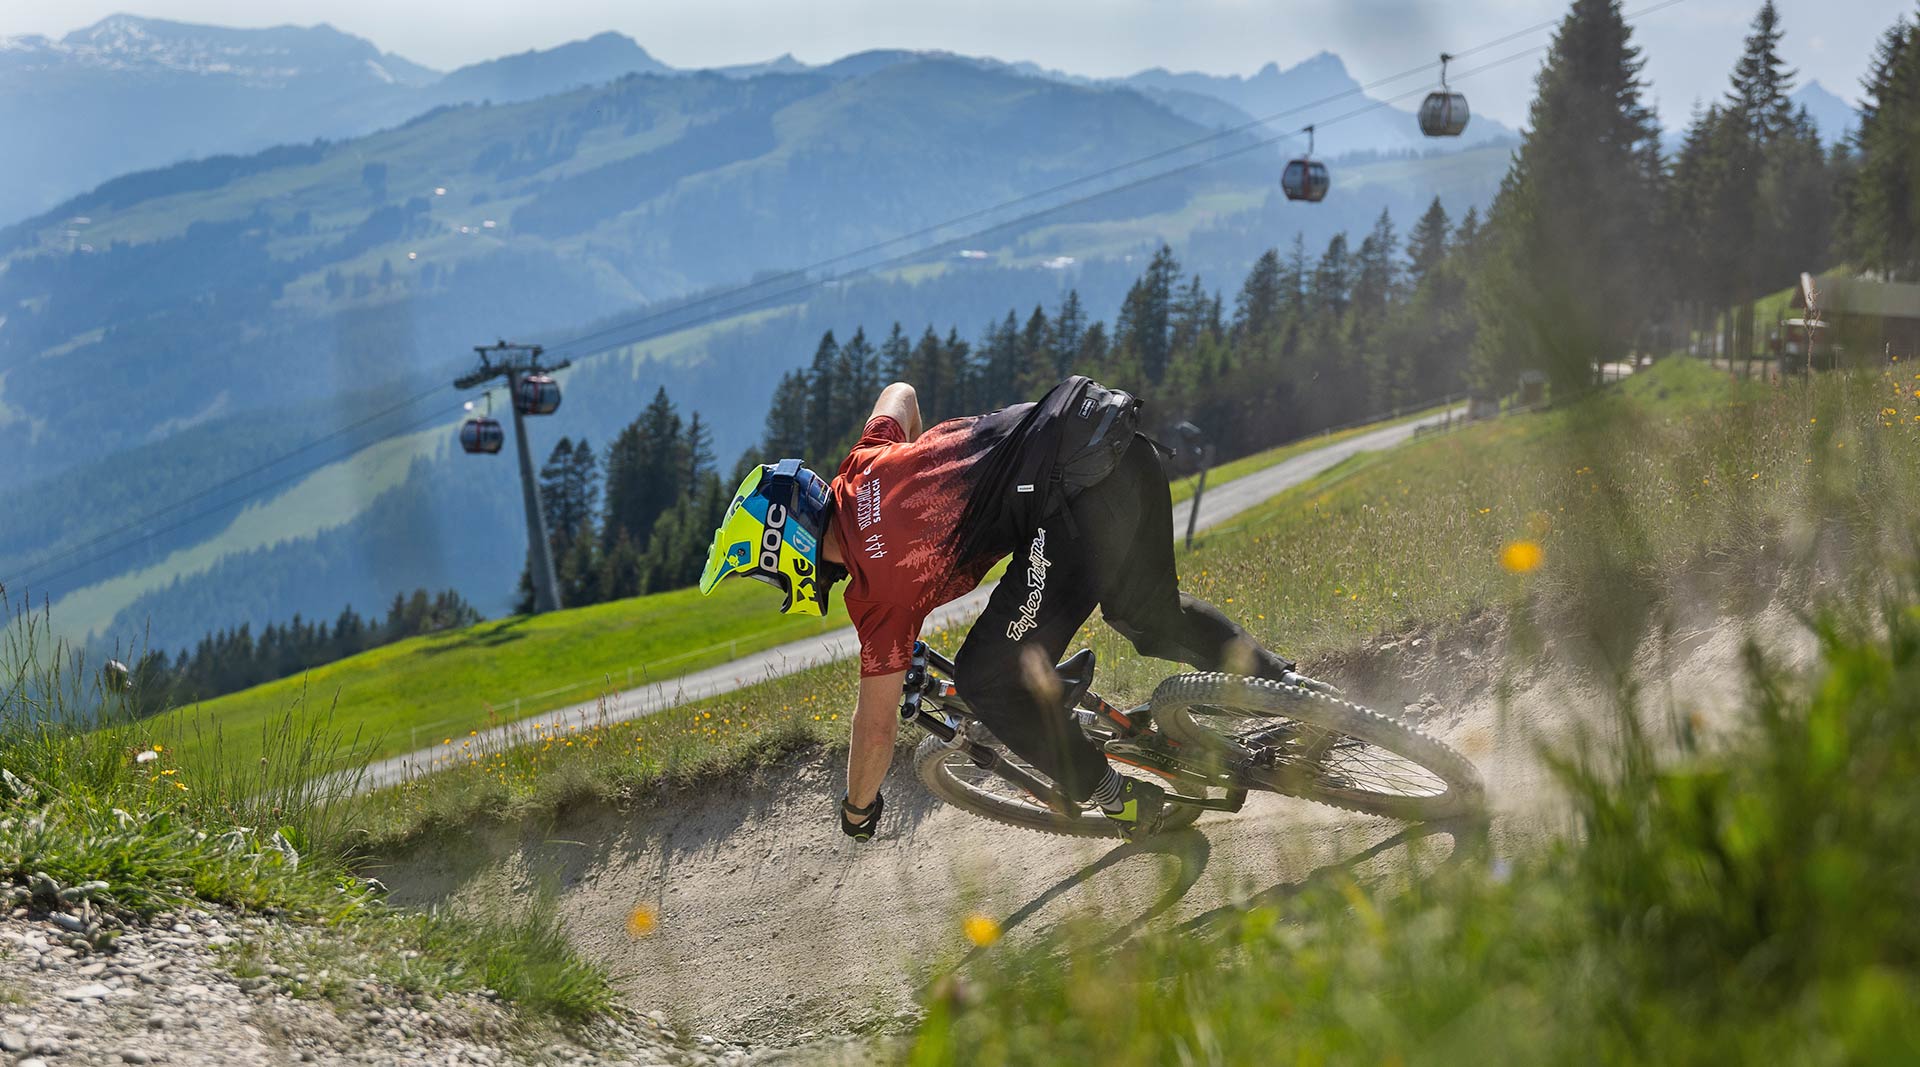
{"x":1144,"y":326}
{"x":1257,"y":308}
{"x":785,"y":433}
{"x":1427,"y":244}
{"x":1882,"y":205}
{"x":823,"y":406}
{"x":1573,"y":218}
{"x":896,"y":357}
{"x":1069,"y":325}
{"x":859,"y":374}
{"x":1761,"y":82}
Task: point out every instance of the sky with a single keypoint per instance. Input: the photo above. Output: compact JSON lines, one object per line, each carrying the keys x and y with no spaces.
{"x":1690,"y":47}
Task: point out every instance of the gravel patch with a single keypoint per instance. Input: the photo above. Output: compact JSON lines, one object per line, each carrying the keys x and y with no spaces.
{"x":166,"y":992}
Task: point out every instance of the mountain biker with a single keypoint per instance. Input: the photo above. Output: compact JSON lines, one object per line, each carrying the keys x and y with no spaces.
{"x":915,"y":519}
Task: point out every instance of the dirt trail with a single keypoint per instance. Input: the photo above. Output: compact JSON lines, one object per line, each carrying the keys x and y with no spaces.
{"x":774,"y":928}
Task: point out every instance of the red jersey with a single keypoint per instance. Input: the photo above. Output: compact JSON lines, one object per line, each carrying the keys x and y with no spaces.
{"x":896,"y":504}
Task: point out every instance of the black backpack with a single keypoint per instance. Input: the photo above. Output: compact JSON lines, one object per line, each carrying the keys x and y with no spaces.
{"x":1068,"y":440}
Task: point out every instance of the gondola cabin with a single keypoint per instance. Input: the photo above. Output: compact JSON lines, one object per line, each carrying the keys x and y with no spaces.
{"x":1444,"y":114}
{"x":482,"y":435}
{"x":537,"y":394}
{"x":1305,"y":179}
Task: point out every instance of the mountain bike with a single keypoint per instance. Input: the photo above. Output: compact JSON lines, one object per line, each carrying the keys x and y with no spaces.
{"x":1199,"y":733}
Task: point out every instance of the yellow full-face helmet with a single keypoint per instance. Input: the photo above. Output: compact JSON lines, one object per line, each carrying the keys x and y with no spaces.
{"x":772,"y":532}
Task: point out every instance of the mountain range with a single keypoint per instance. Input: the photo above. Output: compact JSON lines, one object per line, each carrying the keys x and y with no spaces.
{"x":165,"y":334}
{"x":131,"y":93}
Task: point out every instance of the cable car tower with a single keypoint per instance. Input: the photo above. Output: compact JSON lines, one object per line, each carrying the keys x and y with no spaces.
{"x":534,"y":392}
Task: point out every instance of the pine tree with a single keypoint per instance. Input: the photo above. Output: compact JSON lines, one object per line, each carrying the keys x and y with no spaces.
{"x":1574,"y":215}
{"x":1094,"y":347}
{"x":999,"y":363}
{"x":785,"y":434}
{"x":823,"y":407}
{"x":1427,"y":244}
{"x":645,"y":467}
{"x":896,"y":357}
{"x":699,"y":453}
{"x":1189,"y":317}
{"x":956,"y":373}
{"x":927,"y":373}
{"x":1144,"y":325}
{"x":1258,"y":307}
{"x":1882,"y":205}
{"x":1069,"y":325}
{"x":1376,"y":273}
{"x":859,"y":374}
{"x":1761,"y":82}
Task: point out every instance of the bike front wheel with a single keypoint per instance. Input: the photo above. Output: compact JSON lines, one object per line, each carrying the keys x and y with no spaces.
{"x":950,"y":774}
{"x":1304,"y":743}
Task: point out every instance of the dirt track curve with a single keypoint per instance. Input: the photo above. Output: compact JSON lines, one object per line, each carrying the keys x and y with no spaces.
{"x":773,"y":928}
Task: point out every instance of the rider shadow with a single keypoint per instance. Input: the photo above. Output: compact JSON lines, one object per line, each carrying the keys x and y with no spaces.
{"x":1190,"y":847}
{"x":1469,"y":837}
{"x":1193,"y":850}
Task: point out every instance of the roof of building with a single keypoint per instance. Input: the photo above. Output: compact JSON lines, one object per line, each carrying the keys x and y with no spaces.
{"x":1841,"y":292}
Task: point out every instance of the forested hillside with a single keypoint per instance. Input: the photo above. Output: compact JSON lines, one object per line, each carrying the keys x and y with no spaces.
{"x":309,"y":270}
{"x":454,"y":523}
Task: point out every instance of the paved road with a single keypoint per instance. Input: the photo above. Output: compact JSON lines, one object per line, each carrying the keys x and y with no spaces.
{"x":1222,"y":502}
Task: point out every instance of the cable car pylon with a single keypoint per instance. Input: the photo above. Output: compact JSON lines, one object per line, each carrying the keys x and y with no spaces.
{"x":534,"y":392}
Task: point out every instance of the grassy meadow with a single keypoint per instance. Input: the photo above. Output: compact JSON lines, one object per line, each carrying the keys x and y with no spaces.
{"x":416,"y":692}
{"x":118,"y":823}
{"x":1744,"y":903}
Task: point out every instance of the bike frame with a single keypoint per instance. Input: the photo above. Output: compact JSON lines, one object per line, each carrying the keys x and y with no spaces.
{"x":929,"y":679}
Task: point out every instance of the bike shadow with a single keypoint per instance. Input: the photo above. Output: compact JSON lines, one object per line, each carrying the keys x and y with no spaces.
{"x":1194,"y":850}
{"x":1469,"y":841}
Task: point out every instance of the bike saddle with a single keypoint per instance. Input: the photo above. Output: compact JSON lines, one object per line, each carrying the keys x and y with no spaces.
{"x":1076,"y":673}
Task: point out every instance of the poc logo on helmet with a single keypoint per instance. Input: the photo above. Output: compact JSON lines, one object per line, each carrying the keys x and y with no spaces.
{"x":770,"y":538}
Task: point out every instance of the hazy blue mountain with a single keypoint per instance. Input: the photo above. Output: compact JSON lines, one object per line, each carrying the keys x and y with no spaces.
{"x":234,"y":307}
{"x":454,"y":522}
{"x":782,"y":64}
{"x":129,"y":93}
{"x":598,"y":59}
{"x":369,"y":258}
{"x":1835,"y":117}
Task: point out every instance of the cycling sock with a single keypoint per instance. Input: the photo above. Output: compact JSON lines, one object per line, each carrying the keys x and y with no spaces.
{"x":1107,"y":793}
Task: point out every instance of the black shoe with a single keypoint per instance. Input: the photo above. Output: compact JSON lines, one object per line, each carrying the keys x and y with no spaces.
{"x":1141,"y":805}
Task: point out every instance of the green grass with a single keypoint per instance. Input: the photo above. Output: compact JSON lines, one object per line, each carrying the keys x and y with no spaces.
{"x":418,"y":692}
{"x":111,"y":815}
{"x":1259,"y":461}
{"x":1748,"y":902}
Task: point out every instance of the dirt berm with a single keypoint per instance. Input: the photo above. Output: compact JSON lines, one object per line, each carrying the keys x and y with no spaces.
{"x":774,"y":928}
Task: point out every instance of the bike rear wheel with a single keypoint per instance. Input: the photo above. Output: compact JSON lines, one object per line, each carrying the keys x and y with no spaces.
{"x":1308,"y":744}
{"x":952,"y":776}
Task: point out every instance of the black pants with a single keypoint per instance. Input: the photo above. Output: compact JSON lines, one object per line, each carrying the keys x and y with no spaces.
{"x":1112,"y":548}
